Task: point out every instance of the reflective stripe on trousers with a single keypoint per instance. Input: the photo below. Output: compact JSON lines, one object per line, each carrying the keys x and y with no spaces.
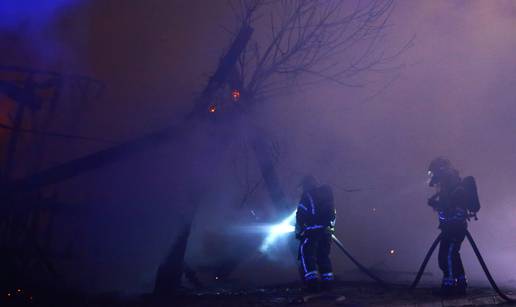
{"x":327,"y":276}
{"x":311,"y":275}
{"x":303,"y":255}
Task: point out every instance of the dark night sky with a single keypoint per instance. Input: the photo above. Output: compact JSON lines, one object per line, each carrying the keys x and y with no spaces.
{"x":454,"y":97}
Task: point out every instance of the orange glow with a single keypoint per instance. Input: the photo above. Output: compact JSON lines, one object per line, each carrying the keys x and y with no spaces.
{"x":213,"y":108}
{"x":235,"y":94}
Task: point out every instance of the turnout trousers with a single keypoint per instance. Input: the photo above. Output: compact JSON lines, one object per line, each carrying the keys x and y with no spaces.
{"x":314,"y":256}
{"x":450,"y":262}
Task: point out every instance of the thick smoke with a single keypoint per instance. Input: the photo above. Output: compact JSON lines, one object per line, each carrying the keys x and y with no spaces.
{"x":454,"y":97}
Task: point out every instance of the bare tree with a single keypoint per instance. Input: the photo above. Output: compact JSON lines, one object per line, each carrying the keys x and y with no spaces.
{"x":302,"y":42}
{"x":296,"y":43}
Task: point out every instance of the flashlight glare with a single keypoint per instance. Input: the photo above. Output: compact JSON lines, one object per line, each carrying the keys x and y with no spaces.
{"x":278,"y":230}
{"x":282,"y":229}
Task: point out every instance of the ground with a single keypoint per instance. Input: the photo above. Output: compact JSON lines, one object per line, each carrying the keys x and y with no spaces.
{"x":356,"y":294}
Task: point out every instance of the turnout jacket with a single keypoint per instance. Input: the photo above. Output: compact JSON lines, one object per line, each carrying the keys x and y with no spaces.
{"x":451,"y":205}
{"x":316,"y":210}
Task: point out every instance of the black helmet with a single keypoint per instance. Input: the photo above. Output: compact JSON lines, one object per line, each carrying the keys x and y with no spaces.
{"x":308,"y":183}
{"x":438,"y":169}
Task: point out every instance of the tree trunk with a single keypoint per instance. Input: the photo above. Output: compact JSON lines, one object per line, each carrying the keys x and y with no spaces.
{"x":270,"y":176}
{"x":170,"y":272}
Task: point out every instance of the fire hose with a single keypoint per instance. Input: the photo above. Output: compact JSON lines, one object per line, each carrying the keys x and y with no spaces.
{"x":425,"y":262}
{"x":480,"y":260}
{"x":358,"y":264}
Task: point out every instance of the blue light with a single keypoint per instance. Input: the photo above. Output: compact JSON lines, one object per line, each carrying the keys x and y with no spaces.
{"x":17,"y":12}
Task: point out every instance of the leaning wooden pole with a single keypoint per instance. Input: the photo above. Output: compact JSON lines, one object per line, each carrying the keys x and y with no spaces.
{"x":111,"y":155}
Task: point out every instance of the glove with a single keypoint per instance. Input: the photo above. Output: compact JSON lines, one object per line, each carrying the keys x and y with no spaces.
{"x":434,"y":201}
{"x":330,"y":230}
{"x":299,"y":231}
{"x":300,"y":235}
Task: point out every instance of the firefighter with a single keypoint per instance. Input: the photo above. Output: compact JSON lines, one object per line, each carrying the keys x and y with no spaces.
{"x":315,"y":224}
{"x":450,"y":202}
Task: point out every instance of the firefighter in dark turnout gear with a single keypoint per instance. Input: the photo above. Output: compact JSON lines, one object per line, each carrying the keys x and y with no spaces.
{"x":315,"y":224}
{"x":450,"y":202}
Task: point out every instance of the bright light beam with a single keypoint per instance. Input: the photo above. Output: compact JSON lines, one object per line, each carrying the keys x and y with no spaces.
{"x":278,"y":230}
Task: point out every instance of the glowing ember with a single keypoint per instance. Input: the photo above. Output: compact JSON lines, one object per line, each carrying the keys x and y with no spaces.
{"x":213,"y":108}
{"x":235,"y":94}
